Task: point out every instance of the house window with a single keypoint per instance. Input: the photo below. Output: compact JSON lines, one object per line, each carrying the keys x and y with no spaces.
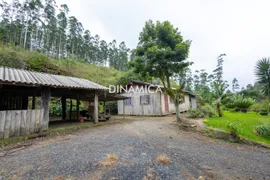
{"x":145,"y":99}
{"x":128,"y":101}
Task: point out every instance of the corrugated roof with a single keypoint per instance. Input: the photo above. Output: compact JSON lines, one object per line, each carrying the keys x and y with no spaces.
{"x":10,"y":75}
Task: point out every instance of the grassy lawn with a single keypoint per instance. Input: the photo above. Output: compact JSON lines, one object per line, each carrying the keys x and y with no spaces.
{"x":247,"y":122}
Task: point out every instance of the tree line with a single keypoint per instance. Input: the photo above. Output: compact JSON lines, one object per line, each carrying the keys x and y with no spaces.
{"x":40,"y":25}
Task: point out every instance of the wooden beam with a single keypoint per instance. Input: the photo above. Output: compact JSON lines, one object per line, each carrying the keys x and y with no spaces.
{"x":45,"y":103}
{"x":34,"y":101}
{"x":70,"y":109}
{"x":95,"y":114}
{"x":78,"y":105}
{"x":64,"y":107}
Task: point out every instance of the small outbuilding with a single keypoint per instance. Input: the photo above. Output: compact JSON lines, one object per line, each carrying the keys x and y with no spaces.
{"x":25,"y":99}
{"x":146,"y":99}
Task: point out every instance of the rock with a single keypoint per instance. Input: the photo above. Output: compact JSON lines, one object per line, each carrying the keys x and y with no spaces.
{"x":201,"y":178}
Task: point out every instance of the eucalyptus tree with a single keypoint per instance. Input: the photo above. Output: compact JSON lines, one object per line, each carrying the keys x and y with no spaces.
{"x":235,"y":85}
{"x":62,"y":22}
{"x":218,"y":72}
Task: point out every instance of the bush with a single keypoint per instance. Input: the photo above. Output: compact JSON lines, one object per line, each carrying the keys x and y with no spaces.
{"x":263,"y":130}
{"x":241,"y":103}
{"x":10,"y":58}
{"x":208,"y":110}
{"x":264,"y":112}
{"x":234,"y":129}
{"x":256,"y":107}
{"x":195,"y":113}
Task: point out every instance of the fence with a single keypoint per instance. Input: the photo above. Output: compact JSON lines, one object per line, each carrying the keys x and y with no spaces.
{"x":21,"y":122}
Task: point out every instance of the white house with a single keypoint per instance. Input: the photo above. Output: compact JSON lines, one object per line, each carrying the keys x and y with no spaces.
{"x":153,"y":103}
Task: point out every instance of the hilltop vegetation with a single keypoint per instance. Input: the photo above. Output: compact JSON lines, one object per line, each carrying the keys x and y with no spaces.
{"x":17,"y":57}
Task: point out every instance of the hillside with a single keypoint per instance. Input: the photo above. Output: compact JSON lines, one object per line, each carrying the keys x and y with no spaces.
{"x":17,"y":57}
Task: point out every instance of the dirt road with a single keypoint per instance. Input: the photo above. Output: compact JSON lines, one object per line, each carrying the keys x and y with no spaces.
{"x":136,"y":144}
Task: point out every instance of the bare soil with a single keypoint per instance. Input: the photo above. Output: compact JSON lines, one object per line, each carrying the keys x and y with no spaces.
{"x":136,"y":144}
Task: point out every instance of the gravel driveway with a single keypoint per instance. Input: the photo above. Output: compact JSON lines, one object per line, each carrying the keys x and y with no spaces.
{"x":137,"y":144}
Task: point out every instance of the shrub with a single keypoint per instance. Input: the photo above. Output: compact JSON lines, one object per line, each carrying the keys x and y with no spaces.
{"x":263,"y":130}
{"x":241,"y":103}
{"x":234,"y":129}
{"x":256,"y":107}
{"x":208,"y":110}
{"x":195,"y":113}
{"x":11,"y":58}
{"x":264,"y":112}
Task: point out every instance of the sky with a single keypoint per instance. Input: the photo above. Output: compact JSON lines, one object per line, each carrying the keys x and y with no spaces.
{"x":239,"y":28}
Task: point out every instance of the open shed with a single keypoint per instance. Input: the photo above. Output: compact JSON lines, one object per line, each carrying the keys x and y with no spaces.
{"x":19,"y":117}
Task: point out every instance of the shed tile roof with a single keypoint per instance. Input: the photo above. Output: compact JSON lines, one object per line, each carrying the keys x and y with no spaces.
{"x":10,"y":75}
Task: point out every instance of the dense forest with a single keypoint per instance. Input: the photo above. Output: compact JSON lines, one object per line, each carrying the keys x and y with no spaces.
{"x":41,"y":25}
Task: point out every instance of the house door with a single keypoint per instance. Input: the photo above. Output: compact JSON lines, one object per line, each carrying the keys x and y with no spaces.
{"x":166,"y":102}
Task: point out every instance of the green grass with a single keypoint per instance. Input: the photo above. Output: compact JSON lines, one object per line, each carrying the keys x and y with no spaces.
{"x":248,"y":122}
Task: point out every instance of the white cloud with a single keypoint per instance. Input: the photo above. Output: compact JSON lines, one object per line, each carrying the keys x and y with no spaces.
{"x":238,"y":28}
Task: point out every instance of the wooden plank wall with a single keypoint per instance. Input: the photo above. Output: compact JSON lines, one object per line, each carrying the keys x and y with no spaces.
{"x":21,"y":122}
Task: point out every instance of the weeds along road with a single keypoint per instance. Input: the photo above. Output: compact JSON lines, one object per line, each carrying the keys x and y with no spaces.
{"x":133,"y":148}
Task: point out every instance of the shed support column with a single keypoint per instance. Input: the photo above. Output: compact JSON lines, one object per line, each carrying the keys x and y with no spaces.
{"x":70,"y":109}
{"x":34,"y":101}
{"x":95,"y":114}
{"x":45,"y":103}
{"x":78,"y":105}
{"x":64,"y":108}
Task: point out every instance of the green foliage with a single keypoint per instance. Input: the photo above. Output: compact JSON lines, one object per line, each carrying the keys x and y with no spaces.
{"x":195,"y":113}
{"x":10,"y":58}
{"x":55,"y":109}
{"x":219,"y":93}
{"x":241,"y":103}
{"x":247,"y":122}
{"x":263,"y":130}
{"x":256,"y":107}
{"x":37,"y":25}
{"x":208,"y":110}
{"x":263,"y":75}
{"x":264,"y":112}
{"x":234,"y":129}
{"x":35,"y":61}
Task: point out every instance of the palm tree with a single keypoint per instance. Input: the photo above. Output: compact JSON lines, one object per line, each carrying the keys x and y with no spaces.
{"x":219,"y":93}
{"x":262,"y":72}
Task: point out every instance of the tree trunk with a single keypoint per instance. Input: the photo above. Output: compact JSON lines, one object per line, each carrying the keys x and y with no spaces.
{"x":177,"y":111}
{"x":25,"y":36}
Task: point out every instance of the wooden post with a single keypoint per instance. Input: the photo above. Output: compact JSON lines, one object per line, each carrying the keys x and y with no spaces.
{"x":78,"y":105}
{"x":124,"y":109}
{"x":64,"y":108}
{"x":95,"y":114}
{"x":45,"y":103}
{"x":104,"y":108}
{"x":7,"y":124}
{"x":70,"y":109}
{"x":2,"y":123}
{"x":34,"y":101}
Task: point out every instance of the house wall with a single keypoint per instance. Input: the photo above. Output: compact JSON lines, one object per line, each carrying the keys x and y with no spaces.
{"x":193,"y":103}
{"x":152,"y":109}
{"x":183,"y":107}
{"x":156,"y":106}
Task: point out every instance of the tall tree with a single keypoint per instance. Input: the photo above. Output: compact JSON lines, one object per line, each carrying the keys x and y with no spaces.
{"x":262,"y":72}
{"x":162,"y":53}
{"x":235,"y":85}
